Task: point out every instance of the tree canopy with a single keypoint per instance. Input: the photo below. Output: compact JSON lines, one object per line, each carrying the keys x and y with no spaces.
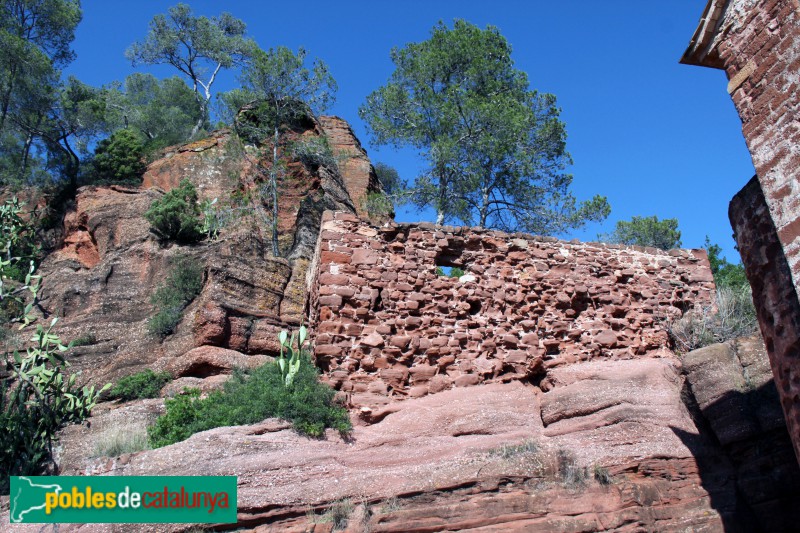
{"x":726,"y":274}
{"x":495,"y":149}
{"x":279,"y":88}
{"x":162,"y":112}
{"x":199,"y":47}
{"x":35,"y":37}
{"x":646,"y":231}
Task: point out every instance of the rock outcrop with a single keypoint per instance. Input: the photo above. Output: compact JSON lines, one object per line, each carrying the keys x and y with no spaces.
{"x":99,"y":281}
{"x":611,"y":445}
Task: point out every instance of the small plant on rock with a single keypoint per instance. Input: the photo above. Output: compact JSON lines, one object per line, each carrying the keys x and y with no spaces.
{"x":176,"y":216}
{"x":601,"y":475}
{"x":120,"y":439}
{"x":182,"y":285}
{"x":84,"y":340}
{"x":569,"y":471}
{"x":144,"y":384}
{"x":250,"y":397}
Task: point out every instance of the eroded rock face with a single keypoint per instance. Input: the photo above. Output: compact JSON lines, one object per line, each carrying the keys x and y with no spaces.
{"x":609,"y":445}
{"x":100,"y":280}
{"x":388,"y":327}
{"x":354,"y":165}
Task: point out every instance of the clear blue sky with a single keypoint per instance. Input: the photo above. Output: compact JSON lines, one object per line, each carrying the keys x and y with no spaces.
{"x":654,"y":136}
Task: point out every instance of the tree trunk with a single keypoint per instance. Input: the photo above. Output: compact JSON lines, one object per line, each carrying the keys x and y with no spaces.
{"x":484,"y":209}
{"x":440,"y":208}
{"x":7,"y":96}
{"x":274,"y":175}
{"x":203,"y":103}
{"x":25,"y":154}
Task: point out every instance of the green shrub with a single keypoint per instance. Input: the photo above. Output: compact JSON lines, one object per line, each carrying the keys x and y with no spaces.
{"x":176,"y":216}
{"x":84,"y":340}
{"x":377,"y":205}
{"x":314,"y":152}
{"x":726,"y":275}
{"x":250,"y":398}
{"x":18,"y":242}
{"x":182,"y":285}
{"x":144,"y":384}
{"x":120,"y":158}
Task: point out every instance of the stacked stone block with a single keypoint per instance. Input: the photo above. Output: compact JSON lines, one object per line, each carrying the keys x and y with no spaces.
{"x":387,"y":326}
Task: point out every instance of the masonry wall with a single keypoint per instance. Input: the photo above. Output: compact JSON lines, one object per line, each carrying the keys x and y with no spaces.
{"x":757,"y":43}
{"x":387,"y":326}
{"x":761,"y":54}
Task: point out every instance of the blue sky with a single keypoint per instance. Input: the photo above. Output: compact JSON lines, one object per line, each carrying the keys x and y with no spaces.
{"x":654,"y":136}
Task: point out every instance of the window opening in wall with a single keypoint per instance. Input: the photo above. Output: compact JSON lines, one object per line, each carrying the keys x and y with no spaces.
{"x":449,"y":272}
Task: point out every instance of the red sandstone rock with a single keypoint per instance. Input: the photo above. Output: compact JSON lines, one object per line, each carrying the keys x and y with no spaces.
{"x":212,"y":360}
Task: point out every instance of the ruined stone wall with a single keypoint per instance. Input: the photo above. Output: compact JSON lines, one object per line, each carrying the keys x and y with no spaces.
{"x":387,"y":326}
{"x":757,"y":43}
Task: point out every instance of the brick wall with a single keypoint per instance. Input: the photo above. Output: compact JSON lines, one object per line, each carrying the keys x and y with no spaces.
{"x":387,"y":326}
{"x":757,"y":43}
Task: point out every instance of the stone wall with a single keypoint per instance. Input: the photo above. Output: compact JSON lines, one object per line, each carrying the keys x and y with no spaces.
{"x":387,"y":326}
{"x":757,"y":43}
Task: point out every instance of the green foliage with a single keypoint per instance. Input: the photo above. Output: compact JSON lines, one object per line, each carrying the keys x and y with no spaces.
{"x":251,"y":398}
{"x":161,"y":112}
{"x":84,"y":340}
{"x":183,"y":284}
{"x":35,"y":38}
{"x":144,"y":384}
{"x":495,"y":149}
{"x":313,"y":152}
{"x":199,"y":47}
{"x":176,"y":216}
{"x":17,"y":240}
{"x":120,"y":158}
{"x":646,"y":231}
{"x":391,"y":183}
{"x":451,"y":272}
{"x":728,"y":275}
{"x":37,"y":396}
{"x":377,"y":205}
